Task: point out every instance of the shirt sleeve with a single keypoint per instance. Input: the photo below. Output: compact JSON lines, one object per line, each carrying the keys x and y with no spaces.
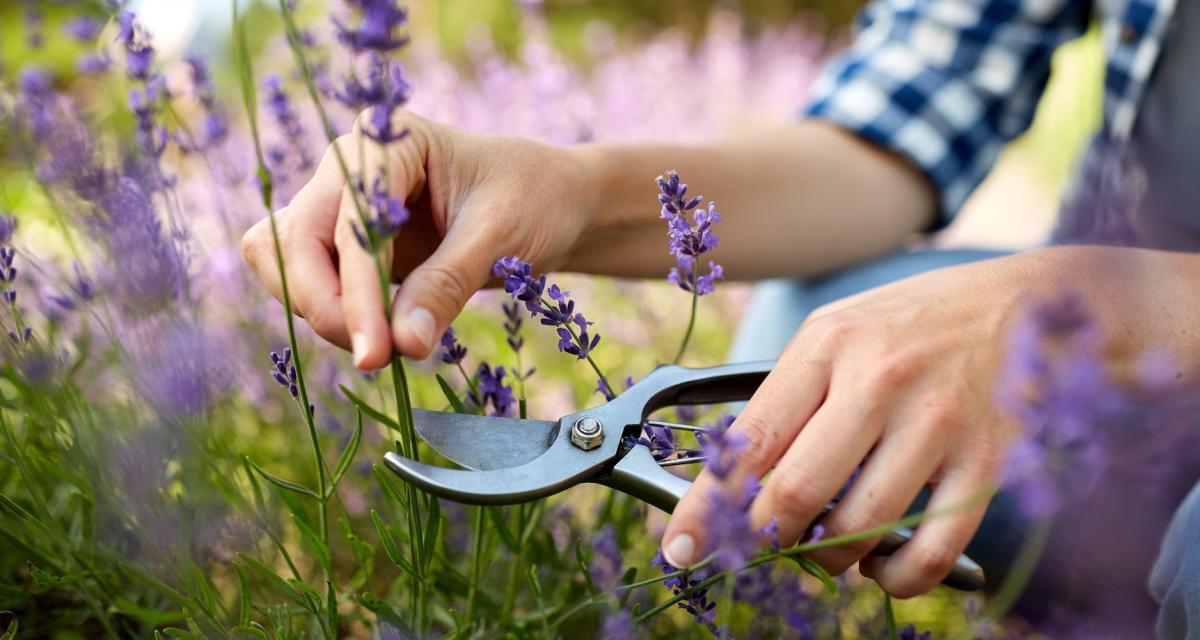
{"x":946,"y":83}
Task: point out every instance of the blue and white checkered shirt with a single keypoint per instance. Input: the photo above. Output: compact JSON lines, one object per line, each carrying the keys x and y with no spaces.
{"x":947,"y":83}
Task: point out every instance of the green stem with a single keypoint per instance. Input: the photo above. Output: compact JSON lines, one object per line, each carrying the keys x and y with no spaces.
{"x":514,"y":570}
{"x":476,"y":563}
{"x":472,"y":384}
{"x":687,"y":334}
{"x":575,"y":336}
{"x":890,"y":616}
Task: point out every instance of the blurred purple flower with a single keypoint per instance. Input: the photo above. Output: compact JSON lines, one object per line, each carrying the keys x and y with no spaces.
{"x":376,"y":31}
{"x":33,"y":26}
{"x":779,"y":597}
{"x":909,"y":632}
{"x":607,"y":564}
{"x":719,"y":449}
{"x":93,"y":63}
{"x":214,"y":126}
{"x":279,"y":105}
{"x":177,"y":371}
{"x":153,"y":269}
{"x":83,"y":28}
{"x":8,"y":224}
{"x":1056,"y":382}
{"x":139,"y":54}
{"x":35,"y":100}
{"x":145,"y":104}
{"x":618,"y":625}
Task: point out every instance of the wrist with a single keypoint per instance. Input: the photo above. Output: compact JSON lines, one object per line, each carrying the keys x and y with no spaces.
{"x":594,"y":177}
{"x":1142,"y":300}
{"x":612,"y":217}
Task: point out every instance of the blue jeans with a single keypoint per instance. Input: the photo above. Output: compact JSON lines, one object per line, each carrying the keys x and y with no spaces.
{"x":777,"y":309}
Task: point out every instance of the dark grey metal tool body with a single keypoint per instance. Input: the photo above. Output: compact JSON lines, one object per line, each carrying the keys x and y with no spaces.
{"x":508,"y":461}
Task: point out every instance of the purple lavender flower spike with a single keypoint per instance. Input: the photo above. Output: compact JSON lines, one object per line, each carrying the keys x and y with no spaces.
{"x":697,"y":604}
{"x":688,"y":239}
{"x":571,"y":326}
{"x":385,"y":216}
{"x":284,"y":372}
{"x":494,"y":390}
{"x":453,"y":351}
{"x":512,"y":326}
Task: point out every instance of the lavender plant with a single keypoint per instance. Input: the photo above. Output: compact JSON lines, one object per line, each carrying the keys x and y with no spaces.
{"x":687,"y":240}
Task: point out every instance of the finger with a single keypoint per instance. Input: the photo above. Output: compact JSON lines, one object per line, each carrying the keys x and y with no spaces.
{"x":780,"y":407}
{"x":305,"y":230}
{"x":364,"y":275}
{"x":817,"y":465}
{"x":435,"y":292}
{"x":363,"y":304}
{"x":890,"y":480}
{"x":956,"y":509}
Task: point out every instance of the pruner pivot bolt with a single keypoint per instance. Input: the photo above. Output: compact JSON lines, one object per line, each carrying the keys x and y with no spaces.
{"x":587,"y":434}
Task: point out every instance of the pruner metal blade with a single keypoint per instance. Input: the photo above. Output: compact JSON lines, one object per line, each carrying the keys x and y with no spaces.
{"x":483,"y":443}
{"x":508,"y":460}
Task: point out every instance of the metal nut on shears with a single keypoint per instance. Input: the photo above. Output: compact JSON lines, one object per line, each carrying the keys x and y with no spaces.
{"x":587,"y":434}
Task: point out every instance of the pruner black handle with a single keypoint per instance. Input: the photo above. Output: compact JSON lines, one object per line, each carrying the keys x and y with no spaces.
{"x":672,"y":385}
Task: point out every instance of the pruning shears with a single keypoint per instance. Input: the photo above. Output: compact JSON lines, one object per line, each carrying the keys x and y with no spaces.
{"x":513,"y":460}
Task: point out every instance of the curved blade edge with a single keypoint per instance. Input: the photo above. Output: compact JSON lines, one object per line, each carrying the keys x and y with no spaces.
{"x":484,"y":443}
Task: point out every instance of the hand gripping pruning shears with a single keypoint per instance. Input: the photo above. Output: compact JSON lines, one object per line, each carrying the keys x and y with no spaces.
{"x":513,"y":460}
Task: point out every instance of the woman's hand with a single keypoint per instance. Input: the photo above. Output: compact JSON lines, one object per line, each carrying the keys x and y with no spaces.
{"x":472,"y":199}
{"x":901,"y":381}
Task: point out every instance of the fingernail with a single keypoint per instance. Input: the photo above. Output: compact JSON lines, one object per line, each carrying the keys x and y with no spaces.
{"x":358,"y":347}
{"x":422,"y":324}
{"x":680,"y":550}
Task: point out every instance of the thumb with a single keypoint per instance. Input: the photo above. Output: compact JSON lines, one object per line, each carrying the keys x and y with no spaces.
{"x":435,"y":292}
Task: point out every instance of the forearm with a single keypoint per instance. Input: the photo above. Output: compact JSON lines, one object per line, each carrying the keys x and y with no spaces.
{"x":798,"y":200}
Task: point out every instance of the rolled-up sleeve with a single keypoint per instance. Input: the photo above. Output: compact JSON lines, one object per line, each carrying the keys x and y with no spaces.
{"x":946,"y":83}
